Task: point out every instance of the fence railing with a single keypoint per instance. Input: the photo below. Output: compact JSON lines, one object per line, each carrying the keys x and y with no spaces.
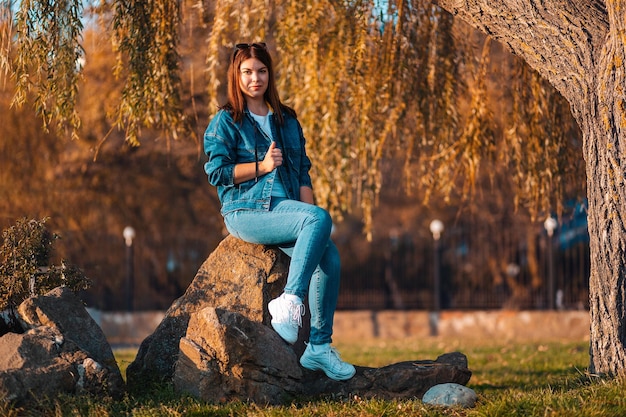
{"x":475,"y":268}
{"x":490,"y":265}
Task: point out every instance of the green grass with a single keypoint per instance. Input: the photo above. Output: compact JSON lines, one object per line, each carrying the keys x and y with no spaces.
{"x":517,"y":379}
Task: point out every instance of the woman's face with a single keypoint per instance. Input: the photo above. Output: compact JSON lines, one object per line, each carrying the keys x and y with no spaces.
{"x":254,"y":77}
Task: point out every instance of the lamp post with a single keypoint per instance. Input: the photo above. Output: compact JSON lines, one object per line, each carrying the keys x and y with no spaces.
{"x":550,"y":225}
{"x":129,"y":235}
{"x":436,"y":228}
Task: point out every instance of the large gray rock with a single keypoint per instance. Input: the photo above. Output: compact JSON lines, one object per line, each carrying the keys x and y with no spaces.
{"x":216,"y":341}
{"x":62,"y":351}
{"x":224,"y":356}
{"x":237,"y":276}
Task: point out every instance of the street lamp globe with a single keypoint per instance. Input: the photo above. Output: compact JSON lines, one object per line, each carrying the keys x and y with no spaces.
{"x":436,"y":227}
{"x":550,"y":225}
{"x":129,"y":235}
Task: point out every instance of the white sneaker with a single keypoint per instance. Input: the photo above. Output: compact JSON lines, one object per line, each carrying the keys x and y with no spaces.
{"x":287,"y":311}
{"x":326,"y":358}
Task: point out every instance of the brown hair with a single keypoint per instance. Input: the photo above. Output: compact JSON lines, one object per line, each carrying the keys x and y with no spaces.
{"x":236,"y":101}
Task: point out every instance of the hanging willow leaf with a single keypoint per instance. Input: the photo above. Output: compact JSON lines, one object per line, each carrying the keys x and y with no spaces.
{"x":6,"y":38}
{"x":371,"y":80}
{"x":48,"y":59}
{"x":146,"y":37}
{"x":356,"y":73}
{"x":540,"y":138}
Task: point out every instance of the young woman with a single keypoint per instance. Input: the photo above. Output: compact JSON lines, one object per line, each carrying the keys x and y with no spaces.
{"x":257,"y":161}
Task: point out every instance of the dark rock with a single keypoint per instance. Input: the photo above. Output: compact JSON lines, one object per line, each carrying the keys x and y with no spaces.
{"x":8,"y":325}
{"x":403,"y":380}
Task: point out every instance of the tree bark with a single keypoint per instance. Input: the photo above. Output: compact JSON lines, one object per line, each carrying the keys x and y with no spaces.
{"x":579,"y":46}
{"x":605,"y":153}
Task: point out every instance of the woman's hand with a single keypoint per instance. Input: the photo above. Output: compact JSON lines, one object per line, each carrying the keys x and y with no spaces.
{"x":249,"y":170}
{"x":273,"y":158}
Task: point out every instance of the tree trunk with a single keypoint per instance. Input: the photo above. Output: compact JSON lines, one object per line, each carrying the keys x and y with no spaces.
{"x":579,"y":46}
{"x":605,"y":154}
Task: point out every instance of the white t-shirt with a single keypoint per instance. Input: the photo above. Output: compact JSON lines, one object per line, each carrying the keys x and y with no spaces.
{"x":264,"y":122}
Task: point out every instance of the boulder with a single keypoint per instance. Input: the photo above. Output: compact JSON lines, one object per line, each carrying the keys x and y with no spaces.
{"x":61,"y":309}
{"x":224,"y":356}
{"x":61,"y":351}
{"x":216,"y":341}
{"x":237,"y":276}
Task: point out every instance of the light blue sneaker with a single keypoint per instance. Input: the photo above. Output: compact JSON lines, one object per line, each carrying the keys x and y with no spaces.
{"x":326,"y":358}
{"x":287,"y":311}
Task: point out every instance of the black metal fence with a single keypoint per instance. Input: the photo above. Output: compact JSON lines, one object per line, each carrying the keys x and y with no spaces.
{"x":474,"y":265}
{"x":477,"y":266}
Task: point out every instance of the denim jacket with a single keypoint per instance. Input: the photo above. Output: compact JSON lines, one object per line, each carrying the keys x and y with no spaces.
{"x":227,"y":143}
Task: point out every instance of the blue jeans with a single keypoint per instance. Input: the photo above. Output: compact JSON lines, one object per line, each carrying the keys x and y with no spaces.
{"x":302,"y":231}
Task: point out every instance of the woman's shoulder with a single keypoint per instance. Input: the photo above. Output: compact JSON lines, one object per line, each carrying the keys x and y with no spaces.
{"x":223,"y":115}
{"x":221,"y":125}
{"x":288,"y":112}
{"x":224,"y":111}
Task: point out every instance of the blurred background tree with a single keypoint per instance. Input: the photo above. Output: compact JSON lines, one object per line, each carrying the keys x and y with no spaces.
{"x":408,"y":114}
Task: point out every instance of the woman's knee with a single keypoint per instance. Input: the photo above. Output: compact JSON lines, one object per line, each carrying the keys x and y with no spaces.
{"x":322,"y":219}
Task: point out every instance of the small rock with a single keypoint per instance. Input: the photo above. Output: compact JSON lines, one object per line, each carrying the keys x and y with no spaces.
{"x":450,"y":394}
